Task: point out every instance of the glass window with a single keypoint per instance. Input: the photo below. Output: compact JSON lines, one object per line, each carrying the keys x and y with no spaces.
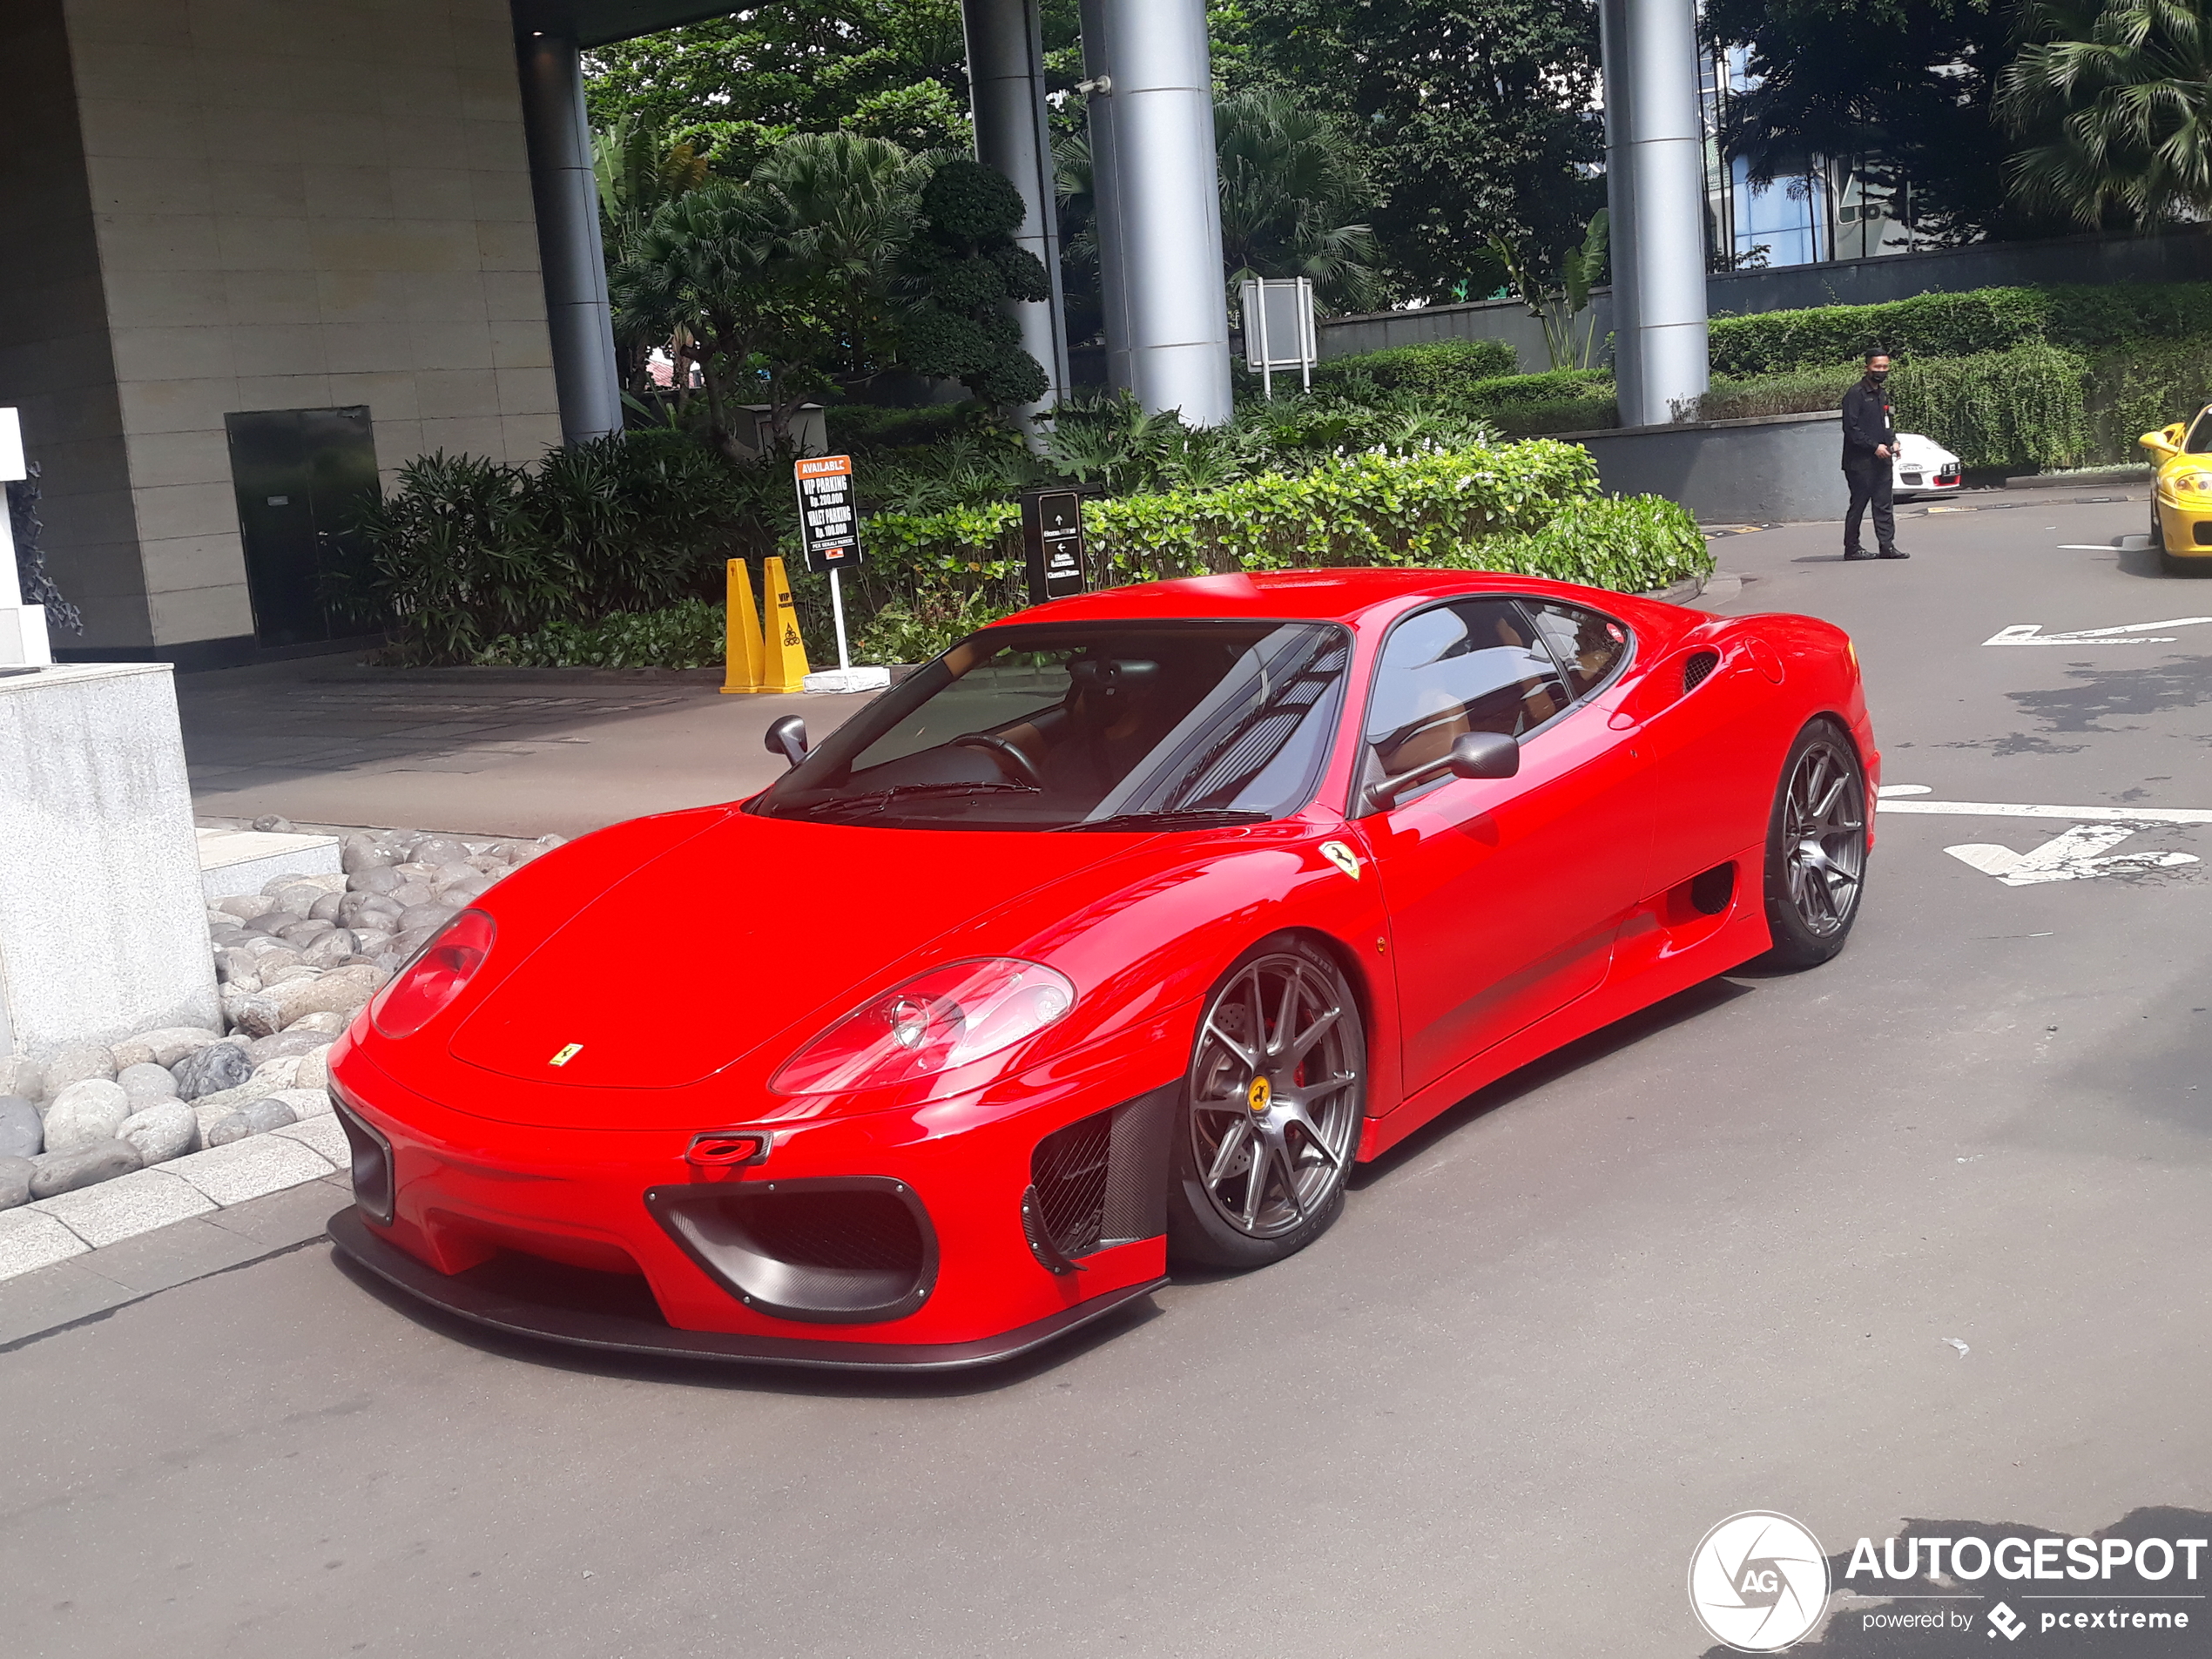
{"x":1588,"y":646}
{"x":1475,"y":666}
{"x":1087,"y":728}
{"x":2199,"y":441}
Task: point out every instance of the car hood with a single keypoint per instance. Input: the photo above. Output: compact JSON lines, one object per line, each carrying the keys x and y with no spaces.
{"x":756,"y":932}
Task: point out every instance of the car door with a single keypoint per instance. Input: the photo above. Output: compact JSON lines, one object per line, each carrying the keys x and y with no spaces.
{"x":1504,"y":894}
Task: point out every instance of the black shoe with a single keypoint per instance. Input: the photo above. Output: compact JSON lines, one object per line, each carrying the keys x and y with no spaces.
{"x":1893,"y":553}
{"x":1857,"y":553}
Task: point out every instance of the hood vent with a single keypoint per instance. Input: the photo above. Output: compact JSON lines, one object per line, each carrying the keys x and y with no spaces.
{"x":1694,"y":671}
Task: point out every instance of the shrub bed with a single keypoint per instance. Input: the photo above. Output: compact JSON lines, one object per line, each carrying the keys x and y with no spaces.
{"x":1438,"y":369}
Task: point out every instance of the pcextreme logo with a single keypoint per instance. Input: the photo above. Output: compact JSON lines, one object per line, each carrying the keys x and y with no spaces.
{"x":1759,"y":1582}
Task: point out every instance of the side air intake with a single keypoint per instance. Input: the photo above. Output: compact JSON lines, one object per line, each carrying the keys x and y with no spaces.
{"x":1701,"y":664}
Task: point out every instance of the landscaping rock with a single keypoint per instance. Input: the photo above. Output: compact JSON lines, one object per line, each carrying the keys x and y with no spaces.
{"x":326,"y":908}
{"x":327,"y":950}
{"x":408,"y":893}
{"x":256,"y":1119}
{"x":319,"y":1028}
{"x":22,"y":1077}
{"x":168,"y":1045}
{"x":85,"y":1112}
{"x":329,"y":995}
{"x":426,"y":915}
{"x":167,"y":1130}
{"x":60,"y":1172}
{"x":279,"y":1073}
{"x":15,"y":1181}
{"x":299,"y":932}
{"x":273,"y":977}
{"x":438,"y":849}
{"x":315,"y":1070}
{"x":377,"y":882}
{"x":284,"y":1045}
{"x":257,"y":1015}
{"x":295,"y":898}
{"x":359,"y":854}
{"x":273,"y":825}
{"x":146,"y":1082}
{"x":369,"y":944}
{"x":210,"y":1070}
{"x":246,"y":905}
{"x":304,"y":1103}
{"x":77,"y":1063}
{"x":22,"y":1132}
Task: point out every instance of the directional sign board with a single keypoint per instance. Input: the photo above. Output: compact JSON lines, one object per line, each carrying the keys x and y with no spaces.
{"x":1052,"y":536}
{"x":829,"y":523}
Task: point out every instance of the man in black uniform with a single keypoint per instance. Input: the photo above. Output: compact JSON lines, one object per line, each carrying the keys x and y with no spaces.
{"x":1870,"y":440}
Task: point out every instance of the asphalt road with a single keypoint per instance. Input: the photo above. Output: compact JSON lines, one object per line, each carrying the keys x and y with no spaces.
{"x":1707,"y":1261}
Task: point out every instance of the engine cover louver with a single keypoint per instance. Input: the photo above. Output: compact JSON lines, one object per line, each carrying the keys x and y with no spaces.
{"x":1701,"y":664}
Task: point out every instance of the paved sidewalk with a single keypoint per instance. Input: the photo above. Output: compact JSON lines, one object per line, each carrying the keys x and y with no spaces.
{"x":491,"y":752}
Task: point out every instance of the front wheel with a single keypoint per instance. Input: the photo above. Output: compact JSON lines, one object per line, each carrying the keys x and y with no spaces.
{"x":1815,"y":850}
{"x":1271,"y":1110}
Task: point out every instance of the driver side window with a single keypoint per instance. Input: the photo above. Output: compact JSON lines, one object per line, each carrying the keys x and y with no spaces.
{"x":1477,"y":666}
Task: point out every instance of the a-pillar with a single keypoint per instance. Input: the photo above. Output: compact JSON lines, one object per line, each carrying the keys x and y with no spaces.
{"x":566,"y":192}
{"x":1159,"y":194}
{"x":1654,"y":157}
{"x":1006,"y":78}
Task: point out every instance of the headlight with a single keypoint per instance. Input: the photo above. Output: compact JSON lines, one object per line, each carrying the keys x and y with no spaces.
{"x":2192,"y":483}
{"x":437,"y":975}
{"x":937,"y":1021}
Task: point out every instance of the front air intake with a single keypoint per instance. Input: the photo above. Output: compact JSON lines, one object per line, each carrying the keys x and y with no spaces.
{"x":1100,"y":1180}
{"x":1701,"y":664}
{"x":371,"y":1159}
{"x":852,"y":1250}
{"x":1068,"y":1173}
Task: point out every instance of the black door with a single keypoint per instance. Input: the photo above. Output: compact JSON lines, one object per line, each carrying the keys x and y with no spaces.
{"x":300,"y":475}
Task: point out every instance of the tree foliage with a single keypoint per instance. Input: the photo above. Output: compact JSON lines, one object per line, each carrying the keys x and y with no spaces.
{"x":1896,"y":92}
{"x":2116,"y":102}
{"x":1476,"y":117}
{"x":960,"y":266}
{"x":1292,"y":194}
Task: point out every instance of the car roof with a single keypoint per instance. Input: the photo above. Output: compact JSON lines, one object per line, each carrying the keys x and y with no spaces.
{"x":1358,"y":596}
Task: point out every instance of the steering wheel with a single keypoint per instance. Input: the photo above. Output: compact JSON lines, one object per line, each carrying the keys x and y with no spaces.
{"x":1019,"y":765}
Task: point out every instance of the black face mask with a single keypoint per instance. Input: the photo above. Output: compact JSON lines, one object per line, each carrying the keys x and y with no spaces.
{"x":1877,"y":375}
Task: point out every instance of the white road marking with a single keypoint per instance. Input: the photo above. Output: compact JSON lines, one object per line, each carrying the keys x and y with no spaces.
{"x":2091,"y":546}
{"x":2072,"y":856}
{"x":1888,"y":790}
{"x":2079,"y":814}
{"x":2031,"y":633}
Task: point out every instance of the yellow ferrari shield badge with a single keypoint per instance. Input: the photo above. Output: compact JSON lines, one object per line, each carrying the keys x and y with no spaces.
{"x":1259,"y":1096}
{"x":1343,"y":857}
{"x":566,"y":1055}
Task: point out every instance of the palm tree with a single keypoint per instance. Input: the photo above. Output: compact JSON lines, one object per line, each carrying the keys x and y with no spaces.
{"x":1290,"y":194}
{"x":638,"y":169}
{"x":2117,"y":99}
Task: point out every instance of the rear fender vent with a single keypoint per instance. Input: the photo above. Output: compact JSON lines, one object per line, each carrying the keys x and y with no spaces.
{"x":1700,"y":663}
{"x":851,"y":1249}
{"x":1100,"y":1180}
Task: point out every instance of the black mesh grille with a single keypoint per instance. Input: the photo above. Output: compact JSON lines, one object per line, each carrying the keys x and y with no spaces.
{"x":2201,"y":532}
{"x":1700,"y":664}
{"x":857,"y":1232}
{"x":1068,"y":1170}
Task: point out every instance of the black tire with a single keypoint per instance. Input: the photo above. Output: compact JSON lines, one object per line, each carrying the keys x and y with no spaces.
{"x":2158,"y":534}
{"x":1303,"y":1127}
{"x":1815,"y":847}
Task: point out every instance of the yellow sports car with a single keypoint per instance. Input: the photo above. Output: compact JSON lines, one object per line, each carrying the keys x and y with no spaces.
{"x":2181,"y":500}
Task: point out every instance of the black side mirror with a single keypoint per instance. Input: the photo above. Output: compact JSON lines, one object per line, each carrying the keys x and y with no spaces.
{"x":1484,"y":754}
{"x":787,"y":737}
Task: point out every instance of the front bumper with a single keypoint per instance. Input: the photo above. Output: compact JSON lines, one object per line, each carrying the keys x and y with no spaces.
{"x":497,"y":1307}
{"x":2186,"y":531}
{"x":629,"y":1246}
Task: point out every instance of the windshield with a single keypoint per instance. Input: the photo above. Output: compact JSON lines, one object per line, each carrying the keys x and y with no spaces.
{"x":1099,"y":726}
{"x":2199,"y":441}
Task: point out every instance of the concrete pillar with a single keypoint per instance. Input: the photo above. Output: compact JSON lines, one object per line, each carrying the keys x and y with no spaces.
{"x":1105,"y":196}
{"x":1162,"y":263}
{"x":1656,"y":184}
{"x":578,"y":315}
{"x":1005,"y":79}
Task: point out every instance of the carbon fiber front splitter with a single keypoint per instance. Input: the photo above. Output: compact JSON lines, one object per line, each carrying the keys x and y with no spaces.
{"x":606,"y":1331}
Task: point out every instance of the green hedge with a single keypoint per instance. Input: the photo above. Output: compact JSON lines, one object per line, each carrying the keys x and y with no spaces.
{"x":1961,"y":325}
{"x":691,"y":633}
{"x":2014,"y":409}
{"x":1440,"y":368}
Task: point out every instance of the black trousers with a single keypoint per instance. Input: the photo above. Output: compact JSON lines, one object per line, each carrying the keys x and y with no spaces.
{"x":1870,"y":483}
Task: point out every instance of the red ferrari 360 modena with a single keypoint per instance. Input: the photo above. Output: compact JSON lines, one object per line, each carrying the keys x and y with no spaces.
{"x":1109,"y":940}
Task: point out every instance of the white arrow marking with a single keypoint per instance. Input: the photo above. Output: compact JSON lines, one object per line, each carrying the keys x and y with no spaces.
{"x":2017,"y":809}
{"x":2031,"y":633}
{"x":2072,"y":856}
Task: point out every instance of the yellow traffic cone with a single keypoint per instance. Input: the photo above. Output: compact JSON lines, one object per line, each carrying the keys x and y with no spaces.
{"x":744,"y":650}
{"x":785,"y":668}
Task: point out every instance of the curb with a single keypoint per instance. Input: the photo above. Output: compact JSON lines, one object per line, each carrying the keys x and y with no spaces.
{"x":48,"y":1231}
{"x":2092,"y":475}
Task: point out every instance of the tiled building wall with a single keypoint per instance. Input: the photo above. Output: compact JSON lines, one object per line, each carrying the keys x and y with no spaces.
{"x":298,"y":204}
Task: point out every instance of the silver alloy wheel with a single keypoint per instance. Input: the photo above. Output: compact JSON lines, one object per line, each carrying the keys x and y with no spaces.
{"x":1275,"y":1100}
{"x":1824,"y":837}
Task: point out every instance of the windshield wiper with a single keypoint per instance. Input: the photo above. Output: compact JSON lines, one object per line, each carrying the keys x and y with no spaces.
{"x":1181,"y":818}
{"x":876,"y":800}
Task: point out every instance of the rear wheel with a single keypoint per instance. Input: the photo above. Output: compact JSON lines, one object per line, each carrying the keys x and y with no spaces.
{"x":1816,"y":851}
{"x":1271,"y":1110}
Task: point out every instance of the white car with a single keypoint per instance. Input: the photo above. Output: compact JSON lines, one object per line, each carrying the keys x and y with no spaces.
{"x":1923,"y":466}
